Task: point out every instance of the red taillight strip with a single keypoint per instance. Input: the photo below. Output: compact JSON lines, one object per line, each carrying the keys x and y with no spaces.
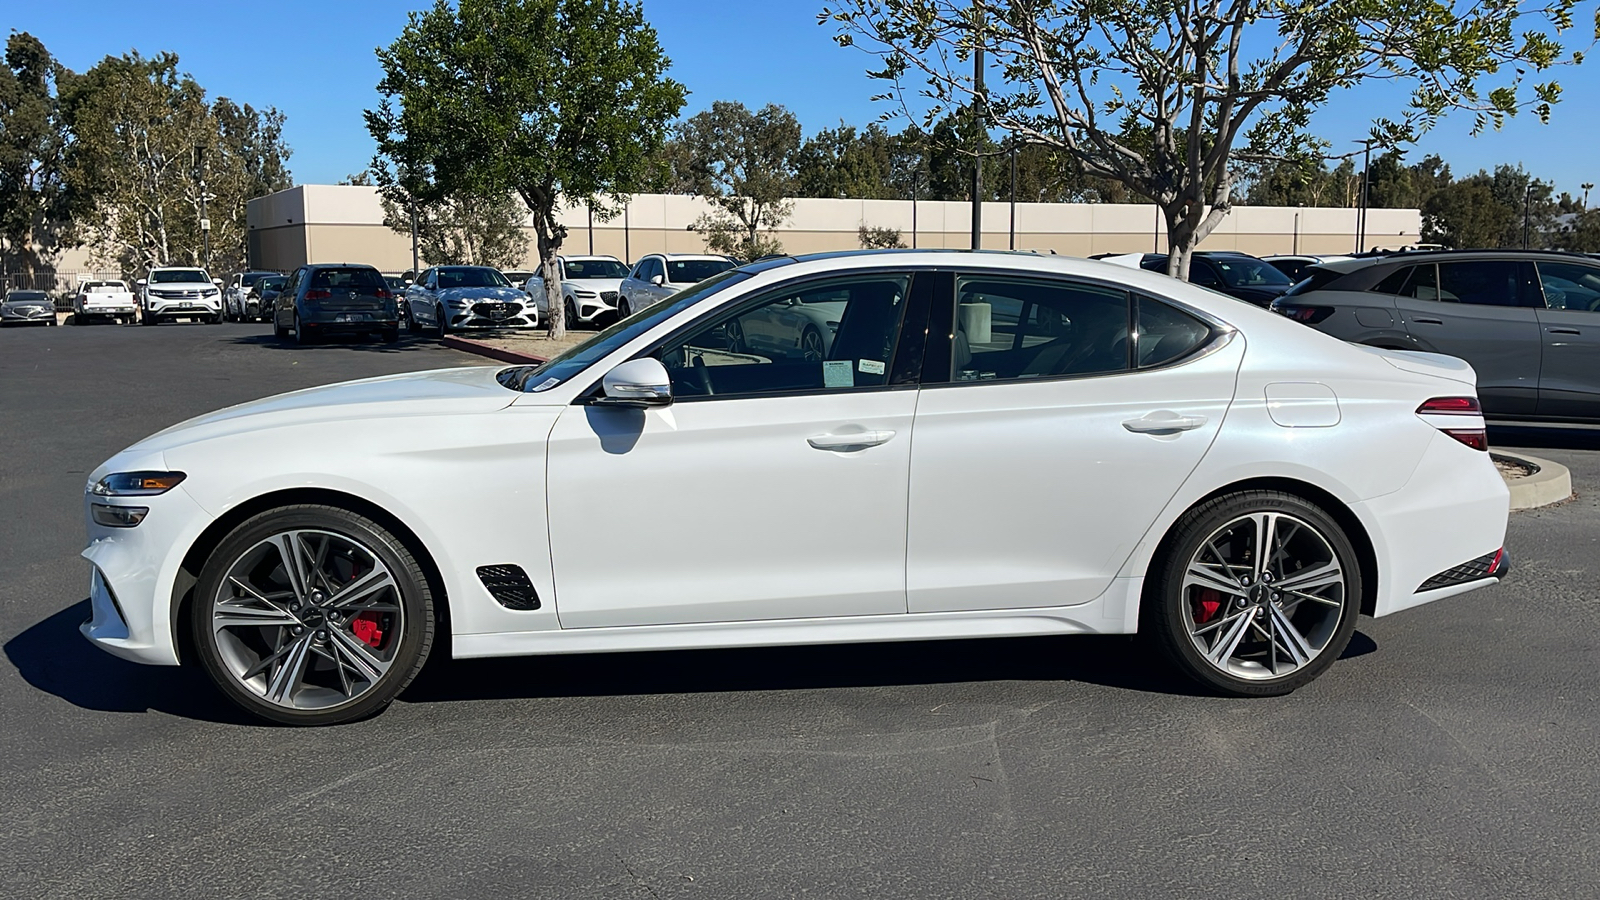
{"x":1476,"y":438}
{"x":1450,"y":406}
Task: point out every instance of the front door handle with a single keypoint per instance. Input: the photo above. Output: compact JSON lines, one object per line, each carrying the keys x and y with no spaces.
{"x":1426,"y":320}
{"x":1563,"y":331}
{"x":1163,"y":422}
{"x":851,"y":440}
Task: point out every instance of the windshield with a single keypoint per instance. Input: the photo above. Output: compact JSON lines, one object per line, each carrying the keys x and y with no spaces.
{"x":533,"y":379}
{"x":274,"y":282}
{"x":595,"y":268}
{"x":26,"y":296}
{"x":249,"y":279}
{"x":1242,"y":271}
{"x":105,"y":286}
{"x":470,"y":277}
{"x":179,"y":276}
{"x":690,"y":271}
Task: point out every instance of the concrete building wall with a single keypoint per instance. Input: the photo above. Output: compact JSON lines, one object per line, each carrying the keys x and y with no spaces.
{"x":333,"y":223}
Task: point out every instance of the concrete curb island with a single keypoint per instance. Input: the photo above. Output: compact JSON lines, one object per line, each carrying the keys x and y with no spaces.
{"x":1549,"y":483}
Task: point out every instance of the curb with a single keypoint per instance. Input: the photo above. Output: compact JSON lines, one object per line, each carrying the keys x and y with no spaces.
{"x":499,"y":354}
{"x":1549,"y":483}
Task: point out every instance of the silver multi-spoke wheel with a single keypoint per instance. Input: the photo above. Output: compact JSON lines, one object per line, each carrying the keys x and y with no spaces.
{"x":307,"y":619}
{"x":1256,"y":594}
{"x":1265,"y":594}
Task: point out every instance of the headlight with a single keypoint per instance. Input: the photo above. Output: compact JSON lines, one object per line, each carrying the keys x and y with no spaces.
{"x":210,"y":293}
{"x":137,"y":484}
{"x":458,"y":301}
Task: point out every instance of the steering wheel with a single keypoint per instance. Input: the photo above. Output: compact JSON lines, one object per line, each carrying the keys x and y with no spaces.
{"x":702,"y":373}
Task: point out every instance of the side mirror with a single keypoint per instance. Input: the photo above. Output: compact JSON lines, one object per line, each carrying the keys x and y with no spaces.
{"x":637,"y":384}
{"x":140,"y":282}
{"x":217,"y":282}
{"x":658,"y":280}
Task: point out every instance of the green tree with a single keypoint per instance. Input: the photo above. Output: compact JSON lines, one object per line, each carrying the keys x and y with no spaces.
{"x":559,"y":102}
{"x":158,"y":158}
{"x":37,"y":202}
{"x":1164,"y":98}
{"x":844,"y":162}
{"x":1492,"y":210}
{"x":462,"y":229}
{"x":879,"y":238}
{"x":743,"y":164}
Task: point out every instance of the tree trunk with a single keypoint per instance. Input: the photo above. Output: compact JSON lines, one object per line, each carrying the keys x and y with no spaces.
{"x":550,"y":270}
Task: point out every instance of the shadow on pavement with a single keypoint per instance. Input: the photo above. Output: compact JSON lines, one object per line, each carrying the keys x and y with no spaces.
{"x":53,"y":657}
{"x":367,"y":343}
{"x":1544,"y":436}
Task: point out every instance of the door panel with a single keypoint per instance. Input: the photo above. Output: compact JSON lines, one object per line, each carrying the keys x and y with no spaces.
{"x":724,"y":510}
{"x":1483,"y":316}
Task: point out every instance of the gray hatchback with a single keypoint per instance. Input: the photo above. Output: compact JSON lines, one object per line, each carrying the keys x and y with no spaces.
{"x":1528,"y":322}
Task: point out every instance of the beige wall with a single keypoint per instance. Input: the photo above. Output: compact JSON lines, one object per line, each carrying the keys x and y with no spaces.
{"x":329,"y":223}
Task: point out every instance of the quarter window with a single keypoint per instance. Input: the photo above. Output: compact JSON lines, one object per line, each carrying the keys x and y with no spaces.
{"x":1167,"y":334}
{"x":817,"y":337}
{"x":1570,"y":286}
{"x":1395,"y":282}
{"x":1015,"y":328}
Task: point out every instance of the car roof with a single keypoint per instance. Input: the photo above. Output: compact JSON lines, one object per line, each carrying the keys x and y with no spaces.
{"x":1412,"y":257}
{"x":336,"y":266}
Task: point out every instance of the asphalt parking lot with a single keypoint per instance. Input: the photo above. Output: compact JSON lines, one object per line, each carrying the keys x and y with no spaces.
{"x":1454,"y":752}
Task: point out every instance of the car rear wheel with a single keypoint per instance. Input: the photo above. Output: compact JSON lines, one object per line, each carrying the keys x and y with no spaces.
{"x":312,"y":615}
{"x":441,"y":324}
{"x":1254,"y":594}
{"x":390,"y":335}
{"x":302,"y":335}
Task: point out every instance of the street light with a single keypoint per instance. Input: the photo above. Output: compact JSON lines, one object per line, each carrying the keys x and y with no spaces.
{"x":1527,"y":208}
{"x":1586,"y":186}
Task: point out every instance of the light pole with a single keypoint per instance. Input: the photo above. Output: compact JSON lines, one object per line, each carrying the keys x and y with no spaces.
{"x":1587,"y":185}
{"x":205,"y":228}
{"x":1013,"y":242}
{"x":1297,"y":212}
{"x":916,"y":175}
{"x":977,"y":114}
{"x":1361,"y":206}
{"x":1527,"y":208}
{"x":415,"y":261}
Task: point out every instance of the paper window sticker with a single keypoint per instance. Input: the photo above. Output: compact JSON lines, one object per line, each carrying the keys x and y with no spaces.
{"x":836,"y":373}
{"x":546,"y":385}
{"x":871,"y":367}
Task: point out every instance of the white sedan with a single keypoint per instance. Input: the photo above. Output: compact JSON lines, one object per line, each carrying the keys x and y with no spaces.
{"x":989,"y":445}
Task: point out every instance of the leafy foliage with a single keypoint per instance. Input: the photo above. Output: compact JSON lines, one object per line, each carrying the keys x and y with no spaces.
{"x":743,"y":164}
{"x":1157,"y":96}
{"x":37,"y":202}
{"x":462,"y":230}
{"x":879,"y":238}
{"x":554,"y":101}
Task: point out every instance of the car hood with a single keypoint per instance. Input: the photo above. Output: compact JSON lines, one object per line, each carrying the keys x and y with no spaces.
{"x":482,"y":293}
{"x":594,"y":284}
{"x":182,"y":286}
{"x":438,"y":392}
{"x":19,"y":304}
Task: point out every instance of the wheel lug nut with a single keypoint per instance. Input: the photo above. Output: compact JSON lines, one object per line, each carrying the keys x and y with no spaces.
{"x":296,"y":631}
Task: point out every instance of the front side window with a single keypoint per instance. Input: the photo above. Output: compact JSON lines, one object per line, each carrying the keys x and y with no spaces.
{"x":1018,"y":328}
{"x":816,"y":337}
{"x":1570,"y":286}
{"x":1200,"y":273}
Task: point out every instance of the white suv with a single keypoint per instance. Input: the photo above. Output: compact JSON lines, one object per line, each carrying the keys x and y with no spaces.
{"x":180,"y":292}
{"x":660,"y":275}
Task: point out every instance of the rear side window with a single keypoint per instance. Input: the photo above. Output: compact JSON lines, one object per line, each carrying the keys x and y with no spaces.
{"x":1013,"y":328}
{"x":1489,"y":282}
{"x":1166,"y":334}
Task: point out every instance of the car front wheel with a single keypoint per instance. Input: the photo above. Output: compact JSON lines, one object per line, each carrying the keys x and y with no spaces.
{"x":312,"y":615}
{"x":1254,"y":594}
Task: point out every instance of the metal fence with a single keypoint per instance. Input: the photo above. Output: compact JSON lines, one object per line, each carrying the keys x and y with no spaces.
{"x":61,"y":285}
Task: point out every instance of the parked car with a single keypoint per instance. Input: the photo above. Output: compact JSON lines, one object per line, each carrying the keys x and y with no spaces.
{"x":179,"y":293}
{"x":265,"y":294}
{"x":1098,"y":450}
{"x":1292,"y":266}
{"x":1528,"y":322}
{"x":448,"y":298}
{"x":660,"y":275}
{"x":341,"y":298}
{"x":236,"y":300}
{"x":104,"y":300}
{"x":589,"y":286}
{"x":1236,"y":274}
{"x":27,"y":307}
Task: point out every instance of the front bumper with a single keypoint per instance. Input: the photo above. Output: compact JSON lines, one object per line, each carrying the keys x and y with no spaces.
{"x":492,"y":314}
{"x":109,"y":309}
{"x":132,"y":574}
{"x":349,"y":319}
{"x":179,"y":308}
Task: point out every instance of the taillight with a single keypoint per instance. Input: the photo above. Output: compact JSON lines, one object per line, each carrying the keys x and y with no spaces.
{"x":1476,"y":438}
{"x":1310,"y":315}
{"x":382,"y":294}
{"x":319,"y":294}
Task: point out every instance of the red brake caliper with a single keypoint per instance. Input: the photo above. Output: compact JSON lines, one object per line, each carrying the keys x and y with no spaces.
{"x":1205,"y":608}
{"x":365,"y":627}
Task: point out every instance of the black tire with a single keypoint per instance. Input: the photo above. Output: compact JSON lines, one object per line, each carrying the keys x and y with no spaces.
{"x":412,"y":596}
{"x":441,"y":323}
{"x":277,"y":330}
{"x":622,"y":310}
{"x":411,"y":323}
{"x":390,"y":335}
{"x":570,"y":312}
{"x":146,"y":319}
{"x":1170,"y":609}
{"x":302,"y":334}
{"x":77,"y":319}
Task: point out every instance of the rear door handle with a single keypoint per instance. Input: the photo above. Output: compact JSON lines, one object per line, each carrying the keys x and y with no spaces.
{"x":1163,"y":422}
{"x":1563,"y":331}
{"x":1424,"y":320}
{"x":853,"y":440}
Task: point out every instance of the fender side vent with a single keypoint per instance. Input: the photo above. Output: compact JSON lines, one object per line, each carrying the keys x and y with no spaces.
{"x":509,"y":586}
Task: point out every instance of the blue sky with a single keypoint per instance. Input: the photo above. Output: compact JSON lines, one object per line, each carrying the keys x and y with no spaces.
{"x":315,"y":62}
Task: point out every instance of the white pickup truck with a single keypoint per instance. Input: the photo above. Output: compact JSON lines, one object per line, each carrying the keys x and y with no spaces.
{"x":103,"y":300}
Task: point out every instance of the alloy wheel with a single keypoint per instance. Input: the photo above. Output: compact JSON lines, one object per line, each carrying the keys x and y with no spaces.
{"x":307,"y":619}
{"x":1264,"y":596}
{"x":811,"y":345}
